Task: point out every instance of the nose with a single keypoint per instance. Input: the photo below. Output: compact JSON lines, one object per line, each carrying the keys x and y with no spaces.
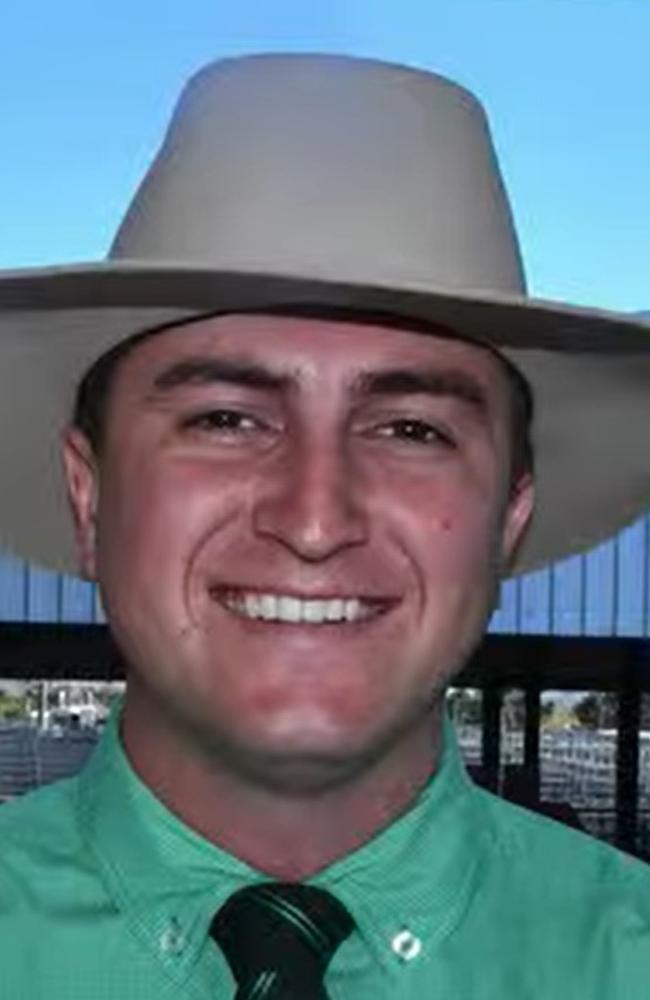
{"x":312,"y":501}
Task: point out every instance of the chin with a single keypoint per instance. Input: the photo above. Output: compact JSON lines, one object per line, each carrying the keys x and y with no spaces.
{"x":309,"y":768}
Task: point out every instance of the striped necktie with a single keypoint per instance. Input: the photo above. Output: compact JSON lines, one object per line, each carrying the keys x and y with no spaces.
{"x":279,"y":937}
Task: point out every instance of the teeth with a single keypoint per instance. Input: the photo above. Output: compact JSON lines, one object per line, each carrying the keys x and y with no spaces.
{"x":271,"y":607}
{"x":289,"y":609}
{"x":335,"y":609}
{"x":268,"y":607}
{"x":350,"y":610}
{"x":252,"y":606}
{"x":314,"y":611}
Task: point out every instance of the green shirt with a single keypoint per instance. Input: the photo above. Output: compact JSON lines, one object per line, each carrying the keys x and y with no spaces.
{"x":105,"y":895}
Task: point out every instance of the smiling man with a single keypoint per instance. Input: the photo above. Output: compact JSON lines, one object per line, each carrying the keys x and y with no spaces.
{"x":299,"y":526}
{"x":300,"y":458}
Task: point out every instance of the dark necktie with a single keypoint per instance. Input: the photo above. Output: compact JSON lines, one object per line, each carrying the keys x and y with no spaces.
{"x":278,"y":938}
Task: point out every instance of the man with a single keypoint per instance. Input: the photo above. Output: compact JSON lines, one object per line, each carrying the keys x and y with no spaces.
{"x":299,"y":463}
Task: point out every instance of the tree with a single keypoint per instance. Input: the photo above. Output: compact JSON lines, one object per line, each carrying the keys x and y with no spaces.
{"x":587,"y":711}
{"x":547,"y":709}
{"x":12,"y":707}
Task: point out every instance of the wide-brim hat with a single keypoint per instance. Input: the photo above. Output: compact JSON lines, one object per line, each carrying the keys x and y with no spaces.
{"x":327,"y":181}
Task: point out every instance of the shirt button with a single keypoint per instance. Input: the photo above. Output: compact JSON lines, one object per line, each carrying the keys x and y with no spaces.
{"x":172,"y":941}
{"x":406,"y":946}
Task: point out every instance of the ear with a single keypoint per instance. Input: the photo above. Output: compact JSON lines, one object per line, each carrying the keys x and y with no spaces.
{"x":81,"y":475}
{"x":518,"y":516}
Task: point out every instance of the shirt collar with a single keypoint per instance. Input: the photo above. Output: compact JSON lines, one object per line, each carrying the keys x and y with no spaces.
{"x":417,"y":876}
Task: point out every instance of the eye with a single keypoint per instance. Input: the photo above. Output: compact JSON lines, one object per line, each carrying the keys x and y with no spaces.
{"x":416,"y":432}
{"x":224,"y":420}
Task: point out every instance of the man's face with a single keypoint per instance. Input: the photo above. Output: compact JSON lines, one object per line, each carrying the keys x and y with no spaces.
{"x":305,"y":469}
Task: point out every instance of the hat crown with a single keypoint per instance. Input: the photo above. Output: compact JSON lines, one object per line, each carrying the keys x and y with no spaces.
{"x":324,"y":166}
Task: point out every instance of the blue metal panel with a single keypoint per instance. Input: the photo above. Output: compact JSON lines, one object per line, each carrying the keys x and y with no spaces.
{"x":630,"y":583}
{"x":506,"y":616}
{"x":567,"y":596}
{"x":600,"y":596}
{"x":43,"y":595}
{"x":77,"y":600}
{"x":13,"y":589}
{"x":30,"y":593}
{"x":535,"y":602}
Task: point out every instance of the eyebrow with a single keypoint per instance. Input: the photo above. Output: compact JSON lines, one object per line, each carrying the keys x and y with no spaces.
{"x":428,"y":382}
{"x":391,"y":382}
{"x":205,"y":371}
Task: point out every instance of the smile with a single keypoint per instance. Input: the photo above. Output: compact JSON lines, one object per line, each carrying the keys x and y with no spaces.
{"x":295,"y":610}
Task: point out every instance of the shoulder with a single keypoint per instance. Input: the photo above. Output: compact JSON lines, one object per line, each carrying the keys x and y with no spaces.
{"x":566,"y":866}
{"x":38,"y":832}
{"x":566,"y":914}
{"x":27,"y":814}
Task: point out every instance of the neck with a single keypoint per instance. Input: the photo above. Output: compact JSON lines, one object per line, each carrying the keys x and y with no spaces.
{"x":288,"y":834}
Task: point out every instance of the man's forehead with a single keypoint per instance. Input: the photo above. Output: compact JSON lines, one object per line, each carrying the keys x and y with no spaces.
{"x":293,"y":347}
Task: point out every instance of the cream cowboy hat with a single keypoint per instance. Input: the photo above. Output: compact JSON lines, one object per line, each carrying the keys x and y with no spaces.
{"x":328,"y":181}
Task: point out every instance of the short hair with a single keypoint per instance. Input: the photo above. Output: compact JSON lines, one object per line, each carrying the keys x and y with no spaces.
{"x":93,"y":392}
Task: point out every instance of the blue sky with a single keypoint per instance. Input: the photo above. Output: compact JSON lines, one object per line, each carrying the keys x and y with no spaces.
{"x":86,"y":89}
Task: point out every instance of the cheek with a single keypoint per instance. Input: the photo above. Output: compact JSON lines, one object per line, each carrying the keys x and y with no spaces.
{"x":451,"y":538}
{"x":153,"y":518}
{"x":450,"y":519}
{"x":464,"y":528}
{"x":465,"y":547}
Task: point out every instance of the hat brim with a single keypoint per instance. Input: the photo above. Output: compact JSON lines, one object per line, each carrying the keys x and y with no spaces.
{"x":589,"y":371}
